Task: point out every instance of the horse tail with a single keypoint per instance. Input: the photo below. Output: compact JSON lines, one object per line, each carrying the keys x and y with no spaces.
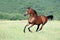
{"x":50,"y":17}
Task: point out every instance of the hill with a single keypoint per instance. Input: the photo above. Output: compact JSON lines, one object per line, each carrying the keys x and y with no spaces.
{"x":14,"y":9}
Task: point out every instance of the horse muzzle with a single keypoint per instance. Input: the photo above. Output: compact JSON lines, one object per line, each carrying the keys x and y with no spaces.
{"x":25,"y":14}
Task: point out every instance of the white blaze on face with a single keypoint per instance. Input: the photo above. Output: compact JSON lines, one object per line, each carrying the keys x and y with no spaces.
{"x":26,"y":12}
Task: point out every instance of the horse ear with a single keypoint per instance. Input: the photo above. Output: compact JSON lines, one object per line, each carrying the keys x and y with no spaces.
{"x":29,"y":8}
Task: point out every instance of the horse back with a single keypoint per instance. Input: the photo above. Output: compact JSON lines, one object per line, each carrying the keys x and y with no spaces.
{"x":41,"y":19}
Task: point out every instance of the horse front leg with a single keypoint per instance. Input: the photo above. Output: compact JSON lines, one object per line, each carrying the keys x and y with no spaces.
{"x":30,"y":27}
{"x":25,"y":27}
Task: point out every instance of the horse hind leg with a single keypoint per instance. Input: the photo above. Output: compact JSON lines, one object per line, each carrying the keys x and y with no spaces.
{"x":37,"y":27}
{"x":41,"y":27}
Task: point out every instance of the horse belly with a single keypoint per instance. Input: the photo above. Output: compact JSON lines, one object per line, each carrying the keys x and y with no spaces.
{"x":39,"y":22}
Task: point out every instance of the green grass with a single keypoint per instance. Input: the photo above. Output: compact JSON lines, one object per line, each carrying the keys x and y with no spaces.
{"x":13,"y":30}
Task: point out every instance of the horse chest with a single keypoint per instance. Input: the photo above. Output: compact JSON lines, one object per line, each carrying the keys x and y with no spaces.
{"x":31,"y":20}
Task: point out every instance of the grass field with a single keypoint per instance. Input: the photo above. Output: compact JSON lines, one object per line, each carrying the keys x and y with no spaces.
{"x":13,"y":30}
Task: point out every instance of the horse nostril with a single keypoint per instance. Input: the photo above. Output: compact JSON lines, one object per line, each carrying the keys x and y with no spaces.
{"x":24,"y":14}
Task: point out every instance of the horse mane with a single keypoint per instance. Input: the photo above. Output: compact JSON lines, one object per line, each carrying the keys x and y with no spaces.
{"x":33,"y":10}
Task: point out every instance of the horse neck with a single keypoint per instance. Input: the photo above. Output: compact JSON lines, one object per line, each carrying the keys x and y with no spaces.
{"x":33,"y":15}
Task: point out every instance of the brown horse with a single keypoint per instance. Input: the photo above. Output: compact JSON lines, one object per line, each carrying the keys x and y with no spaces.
{"x":34,"y":19}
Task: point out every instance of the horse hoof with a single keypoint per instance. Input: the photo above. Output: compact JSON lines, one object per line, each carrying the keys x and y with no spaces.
{"x":24,"y":31}
{"x":37,"y":31}
{"x":31,"y":31}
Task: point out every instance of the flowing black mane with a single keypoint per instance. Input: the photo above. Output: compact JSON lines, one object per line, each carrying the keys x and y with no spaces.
{"x":35,"y":12}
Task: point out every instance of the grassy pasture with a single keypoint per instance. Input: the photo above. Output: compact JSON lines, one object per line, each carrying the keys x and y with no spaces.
{"x":13,"y":30}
